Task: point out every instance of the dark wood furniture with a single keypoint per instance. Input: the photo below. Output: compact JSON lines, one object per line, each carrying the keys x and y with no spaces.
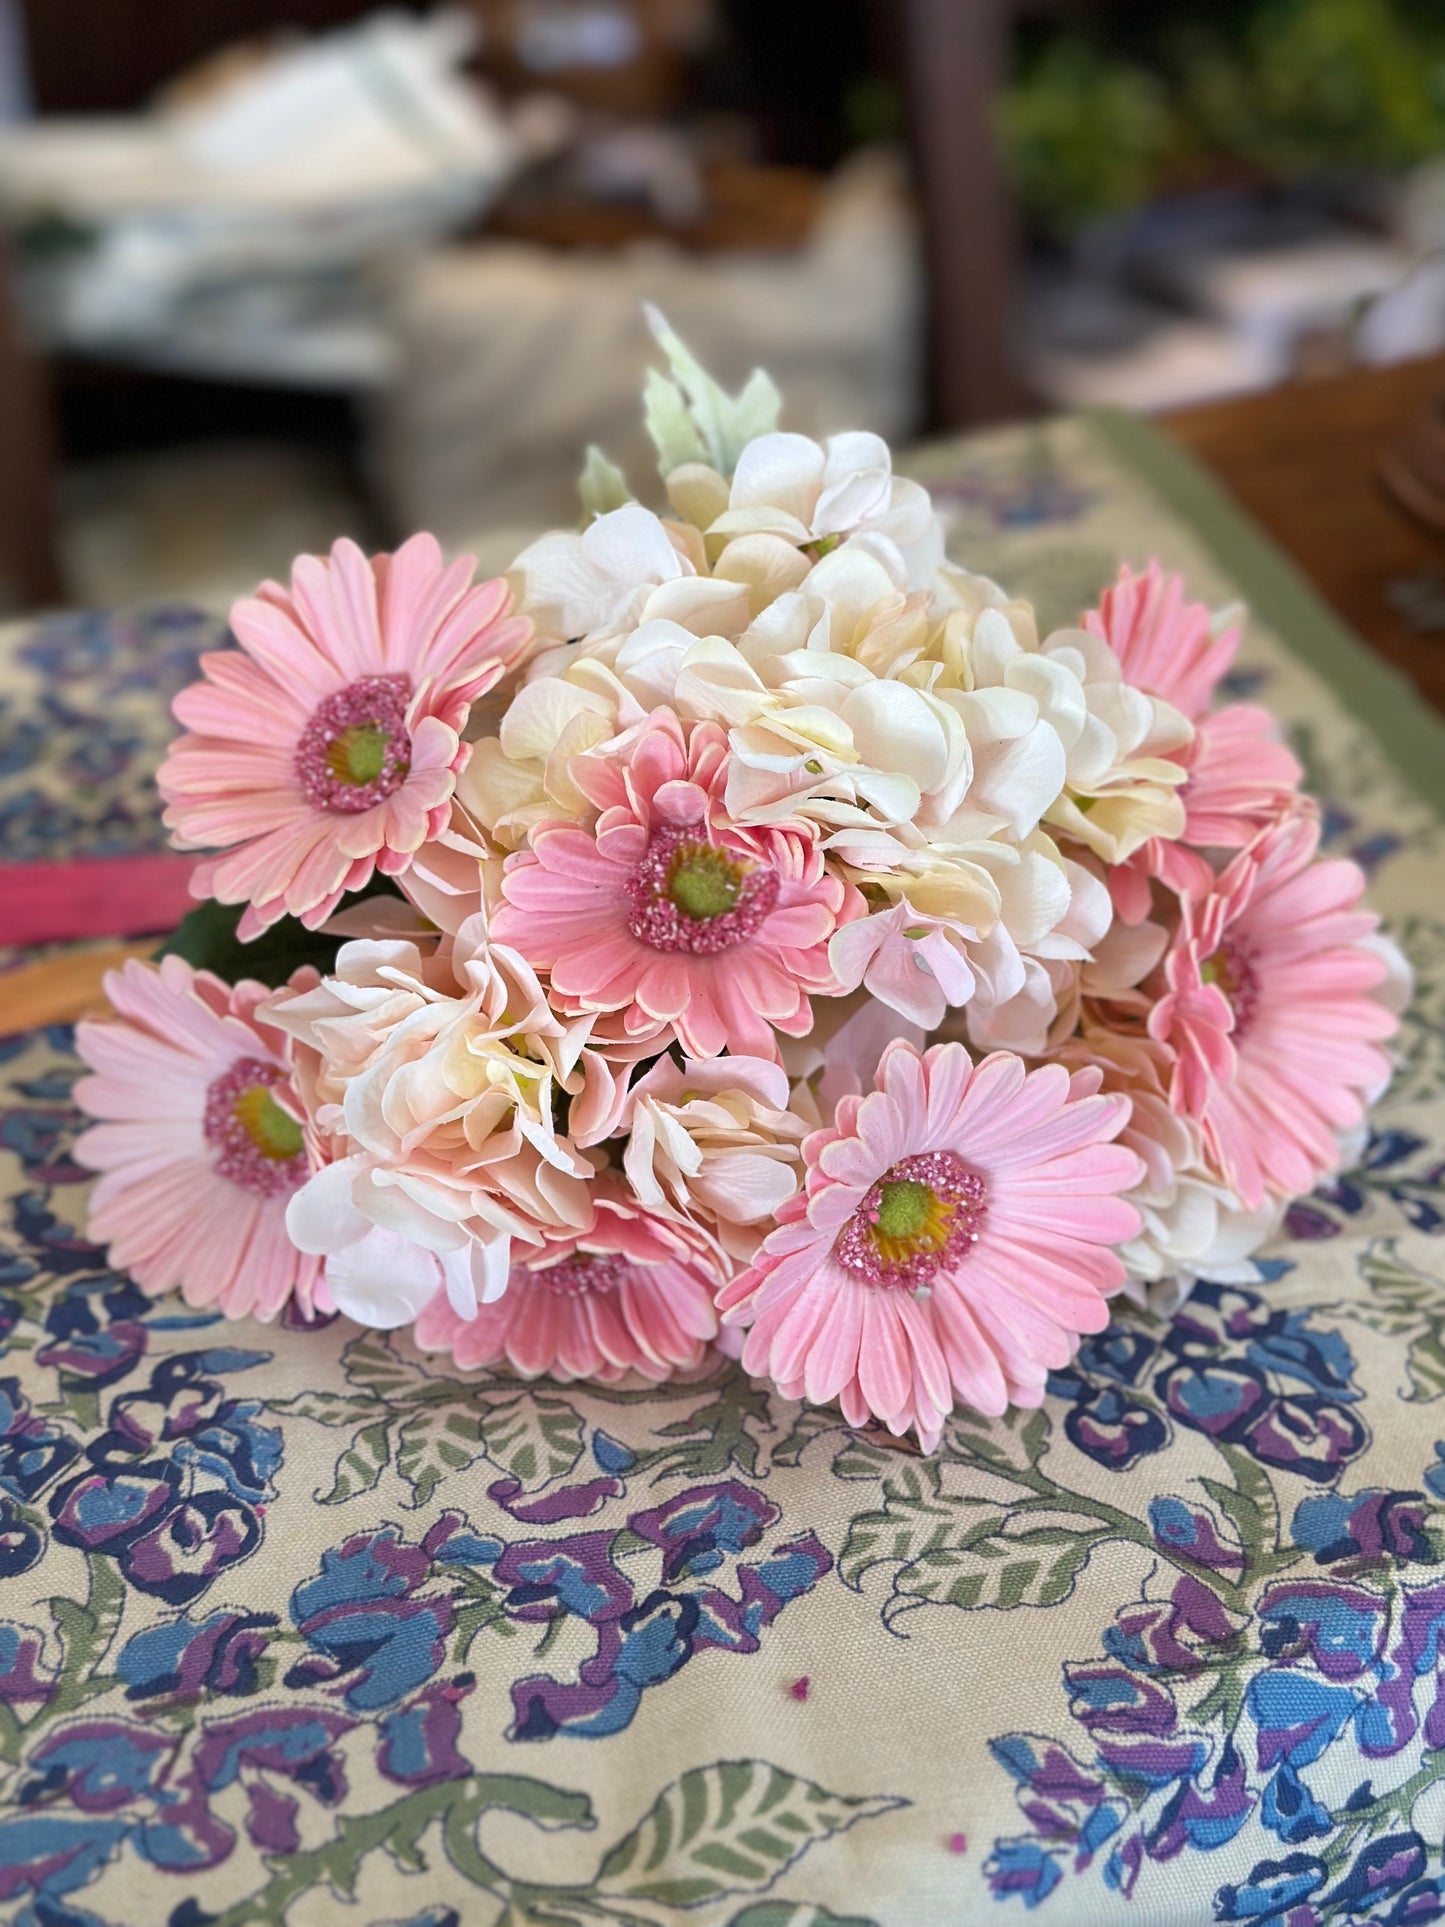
{"x":30,"y":573}
{"x":956,"y":56}
{"x":1305,"y":462}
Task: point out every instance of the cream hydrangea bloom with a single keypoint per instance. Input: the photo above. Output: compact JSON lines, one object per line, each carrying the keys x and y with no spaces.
{"x":714,"y":1142}
{"x":431,"y":1082}
{"x":906,"y":708}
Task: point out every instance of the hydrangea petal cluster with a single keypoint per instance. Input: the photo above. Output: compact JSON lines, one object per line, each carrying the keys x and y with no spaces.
{"x":741,"y":931}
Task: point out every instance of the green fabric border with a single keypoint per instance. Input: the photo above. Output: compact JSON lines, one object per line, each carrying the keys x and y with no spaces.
{"x":1381,"y":696}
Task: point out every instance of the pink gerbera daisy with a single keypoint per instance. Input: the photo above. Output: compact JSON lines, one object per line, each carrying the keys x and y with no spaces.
{"x":1241,"y":779}
{"x":688,"y":924}
{"x":330,"y":743}
{"x":1165,"y":645}
{"x":630,"y":1295}
{"x":953,"y":1236}
{"x":200,"y":1142}
{"x":1271,"y":1014}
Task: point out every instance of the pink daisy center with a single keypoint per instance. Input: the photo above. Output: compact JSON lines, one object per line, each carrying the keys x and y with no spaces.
{"x":583,"y":1272}
{"x":687,"y":894}
{"x":1231,"y":971}
{"x":259,"y":1146}
{"x":356,"y":749}
{"x":920,"y":1218}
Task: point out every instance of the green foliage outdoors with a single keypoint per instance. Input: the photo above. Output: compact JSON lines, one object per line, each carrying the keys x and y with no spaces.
{"x":1085,"y":134}
{"x":1280,"y":89}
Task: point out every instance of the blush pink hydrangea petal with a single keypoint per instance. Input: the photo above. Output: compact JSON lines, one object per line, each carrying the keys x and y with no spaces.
{"x":193,"y":1192}
{"x":329,"y":743}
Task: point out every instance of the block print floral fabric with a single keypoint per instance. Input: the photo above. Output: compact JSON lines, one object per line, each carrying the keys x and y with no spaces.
{"x":299,"y":1628}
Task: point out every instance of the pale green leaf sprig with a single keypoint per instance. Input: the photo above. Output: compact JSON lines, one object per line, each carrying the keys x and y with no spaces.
{"x":601,"y":485}
{"x":691,"y":418}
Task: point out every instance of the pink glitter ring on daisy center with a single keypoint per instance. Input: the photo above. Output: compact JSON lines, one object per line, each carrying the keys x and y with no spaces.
{"x":688,"y":894}
{"x":919,"y":1218}
{"x":356,"y":749}
{"x":259,"y":1146}
{"x":582,"y":1273}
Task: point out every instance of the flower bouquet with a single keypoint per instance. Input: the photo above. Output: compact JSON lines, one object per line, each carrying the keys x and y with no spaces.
{"x":740,"y":929}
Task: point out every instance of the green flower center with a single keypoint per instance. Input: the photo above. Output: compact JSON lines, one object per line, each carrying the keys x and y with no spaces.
{"x":922,"y":1216}
{"x":904,"y":1208}
{"x":704,"y":883}
{"x":274,"y":1134}
{"x":358,"y":754}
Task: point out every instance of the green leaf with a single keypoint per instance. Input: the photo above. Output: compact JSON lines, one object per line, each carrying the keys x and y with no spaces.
{"x":206,"y":938}
{"x":369,"y":1361}
{"x":1404,"y":1302}
{"x":435,"y":1443}
{"x":534,"y":1436}
{"x":967,"y":1552}
{"x":784,"y":1913}
{"x":1015,"y":1442}
{"x":1249,"y":1503}
{"x":809,"y":1422}
{"x":729,"y":1828}
{"x":326,"y":1408}
{"x":602,"y":486}
{"x":691,"y":419}
{"x":398,"y":1830}
{"x":86,"y":1630}
{"x":1007,"y":1567}
{"x":721,"y":1432}
{"x":361,"y":1464}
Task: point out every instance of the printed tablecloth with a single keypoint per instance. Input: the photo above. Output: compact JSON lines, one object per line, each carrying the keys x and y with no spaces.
{"x":296,"y":1627}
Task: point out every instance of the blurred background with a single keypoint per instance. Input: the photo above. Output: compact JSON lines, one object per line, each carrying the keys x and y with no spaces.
{"x":275,"y":269}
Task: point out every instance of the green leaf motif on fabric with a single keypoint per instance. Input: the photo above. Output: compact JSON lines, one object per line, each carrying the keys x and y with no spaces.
{"x":1015,"y":1442}
{"x":535,"y":1436}
{"x":1421,"y":1043}
{"x":969,"y":1553}
{"x":433,"y":1444}
{"x":371,"y":1363}
{"x":431,"y":1427}
{"x":781,"y":1913}
{"x":361,"y":1464}
{"x":86,"y":1631}
{"x":727,"y":1828}
{"x":1404,"y":1303}
{"x":723,"y":1432}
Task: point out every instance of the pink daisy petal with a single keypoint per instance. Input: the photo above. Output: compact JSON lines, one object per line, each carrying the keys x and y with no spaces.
{"x":705,"y":930}
{"x":1290,"y":1000}
{"x":625,"y":1296}
{"x":340,"y":700}
{"x":931,"y":1254}
{"x":1164,"y":644}
{"x":197,"y":1148}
